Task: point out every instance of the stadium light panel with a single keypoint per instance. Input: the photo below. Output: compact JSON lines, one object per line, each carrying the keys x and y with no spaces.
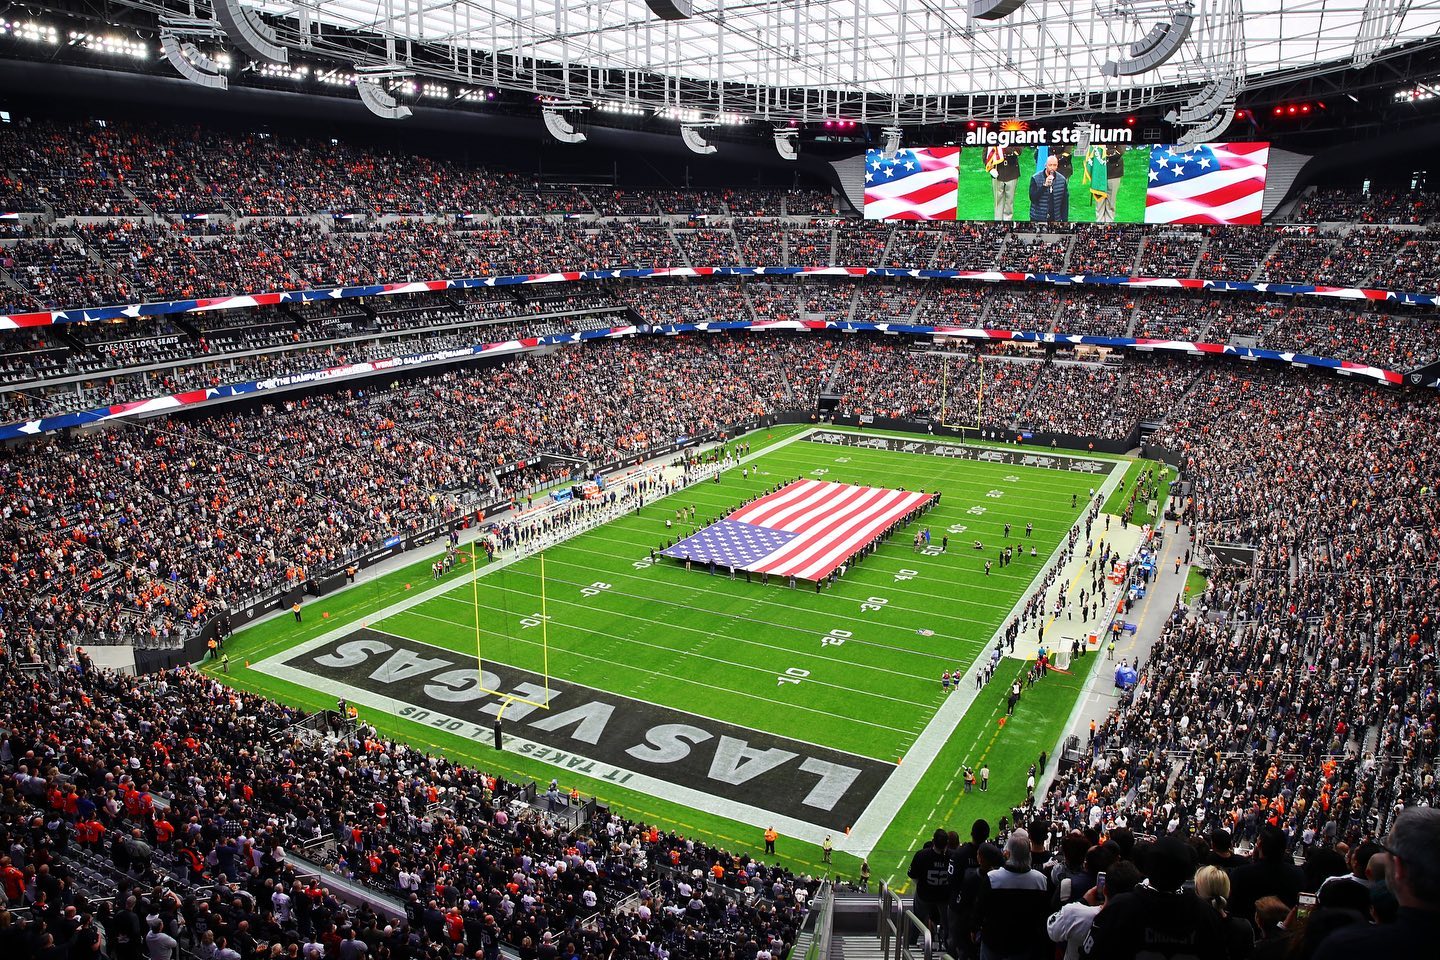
{"x":671,"y":9}
{"x":994,"y":9}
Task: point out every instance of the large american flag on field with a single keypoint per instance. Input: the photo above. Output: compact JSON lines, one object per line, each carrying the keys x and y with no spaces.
{"x":915,"y":184}
{"x":805,"y":529}
{"x":1207,"y":183}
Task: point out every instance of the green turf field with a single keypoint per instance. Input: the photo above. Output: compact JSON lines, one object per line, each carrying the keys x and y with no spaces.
{"x":752,"y":695}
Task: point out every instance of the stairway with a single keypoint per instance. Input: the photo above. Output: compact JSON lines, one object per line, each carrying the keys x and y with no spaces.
{"x":856,"y":946}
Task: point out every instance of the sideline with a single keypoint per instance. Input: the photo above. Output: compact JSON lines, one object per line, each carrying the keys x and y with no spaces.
{"x":866,"y":833}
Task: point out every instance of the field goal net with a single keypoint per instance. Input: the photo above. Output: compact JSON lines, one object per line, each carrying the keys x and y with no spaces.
{"x":496,"y":644}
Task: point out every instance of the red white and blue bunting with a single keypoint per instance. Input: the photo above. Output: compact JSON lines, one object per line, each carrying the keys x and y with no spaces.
{"x":177,"y":401}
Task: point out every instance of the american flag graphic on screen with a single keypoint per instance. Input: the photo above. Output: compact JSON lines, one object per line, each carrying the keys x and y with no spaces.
{"x":1207,"y":183}
{"x":915,"y":184}
{"x":805,"y":529}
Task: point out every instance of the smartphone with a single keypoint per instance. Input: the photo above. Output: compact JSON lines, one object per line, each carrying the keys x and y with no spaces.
{"x":1307,"y":904}
{"x":1100,"y":884}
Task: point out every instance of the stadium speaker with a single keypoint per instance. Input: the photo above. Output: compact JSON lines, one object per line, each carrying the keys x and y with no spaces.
{"x":191,"y":64}
{"x":693,"y":140}
{"x":671,"y":9}
{"x":994,"y":9}
{"x":1205,"y":103}
{"x":248,"y":32}
{"x":1155,"y":48}
{"x":1209,"y":131}
{"x":787,"y":143}
{"x":379,"y":101}
{"x":892,"y":142}
{"x":560,"y":128}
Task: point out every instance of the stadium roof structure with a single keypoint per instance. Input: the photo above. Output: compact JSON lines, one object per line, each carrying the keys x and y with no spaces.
{"x":872,"y":61}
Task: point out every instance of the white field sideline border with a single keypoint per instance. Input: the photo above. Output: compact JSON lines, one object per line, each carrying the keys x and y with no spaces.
{"x":877,"y":815}
{"x":895,"y":792}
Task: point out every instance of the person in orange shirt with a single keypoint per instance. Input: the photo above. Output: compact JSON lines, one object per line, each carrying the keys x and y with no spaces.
{"x":770,"y":837}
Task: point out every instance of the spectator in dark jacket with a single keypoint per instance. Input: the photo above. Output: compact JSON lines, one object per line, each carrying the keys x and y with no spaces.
{"x":930,"y":869}
{"x":1014,"y":908}
{"x":1160,"y":919}
{"x":1413,"y":875}
{"x":1271,"y":874}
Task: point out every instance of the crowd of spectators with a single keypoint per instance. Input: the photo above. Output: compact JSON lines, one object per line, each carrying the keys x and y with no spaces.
{"x":95,"y":366}
{"x":54,"y":273}
{"x":1170,"y":252}
{"x":1282,"y":739}
{"x":1323,"y":725}
{"x":1412,"y":264}
{"x":149,"y":814}
{"x":1367,"y":206}
{"x":1295,"y":249}
{"x":913,"y":246}
{"x":1233,"y":253}
{"x":120,"y":168}
{"x":1109,"y":250}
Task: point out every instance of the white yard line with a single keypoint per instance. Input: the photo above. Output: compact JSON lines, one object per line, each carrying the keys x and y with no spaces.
{"x":866,"y":832}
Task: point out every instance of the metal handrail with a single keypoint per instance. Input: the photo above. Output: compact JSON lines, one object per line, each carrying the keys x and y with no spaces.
{"x":897,"y":933}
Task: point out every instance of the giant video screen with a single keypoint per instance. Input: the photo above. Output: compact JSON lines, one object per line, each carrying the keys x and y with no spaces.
{"x":1106,"y":183}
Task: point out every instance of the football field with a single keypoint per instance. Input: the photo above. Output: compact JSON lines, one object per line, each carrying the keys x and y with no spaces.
{"x":720,"y":706}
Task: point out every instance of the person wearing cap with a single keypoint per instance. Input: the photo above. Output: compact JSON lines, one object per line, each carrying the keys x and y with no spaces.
{"x":1413,"y":876}
{"x":159,"y":945}
{"x":1161,"y":918}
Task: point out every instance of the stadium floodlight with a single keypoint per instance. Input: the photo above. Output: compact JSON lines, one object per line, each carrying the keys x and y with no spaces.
{"x":892,"y":142}
{"x":1156,"y":47}
{"x":671,"y":9}
{"x":559,"y":125}
{"x":690,"y":133}
{"x":248,"y":32}
{"x":994,"y":9}
{"x":379,"y":101}
{"x":191,"y":64}
{"x":787,"y":142}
